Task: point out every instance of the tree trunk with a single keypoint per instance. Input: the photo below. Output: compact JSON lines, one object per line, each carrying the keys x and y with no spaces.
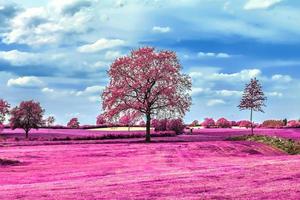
{"x":251,"y":115}
{"x":148,"y":120}
{"x":26,"y":133}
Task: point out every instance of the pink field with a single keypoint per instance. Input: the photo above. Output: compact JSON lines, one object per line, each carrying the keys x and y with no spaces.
{"x":200,"y":166}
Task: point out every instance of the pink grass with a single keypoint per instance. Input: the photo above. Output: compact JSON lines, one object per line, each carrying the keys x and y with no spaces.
{"x":197,"y":170}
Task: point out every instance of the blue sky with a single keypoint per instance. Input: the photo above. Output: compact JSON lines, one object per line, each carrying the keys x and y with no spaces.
{"x":57,"y":52}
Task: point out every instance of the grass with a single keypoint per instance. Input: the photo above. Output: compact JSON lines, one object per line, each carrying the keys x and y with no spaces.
{"x":288,"y":145}
{"x":5,"y":162}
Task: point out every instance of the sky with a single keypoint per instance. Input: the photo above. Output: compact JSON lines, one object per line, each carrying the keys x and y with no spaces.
{"x":58,"y":52}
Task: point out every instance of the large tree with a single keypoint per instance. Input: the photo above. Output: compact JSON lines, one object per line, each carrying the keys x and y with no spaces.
{"x":253,"y":99}
{"x":149,"y":82}
{"x":28,"y":115}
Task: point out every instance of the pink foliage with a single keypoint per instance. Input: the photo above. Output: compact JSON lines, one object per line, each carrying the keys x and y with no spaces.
{"x":293,"y":124}
{"x":160,"y":125}
{"x":176,"y":125}
{"x":234,"y":123}
{"x":208,"y":123}
{"x":147,"y":81}
{"x":130,"y":118}
{"x":245,"y":124}
{"x":101,"y":120}
{"x":4,"y":110}
{"x":142,"y":123}
{"x":28,"y":115}
{"x":73,"y":123}
{"x":223,"y":123}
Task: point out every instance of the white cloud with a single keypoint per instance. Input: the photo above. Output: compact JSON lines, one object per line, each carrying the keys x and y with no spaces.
{"x":25,"y":81}
{"x":274,"y":94}
{"x":260,"y":4}
{"x":229,"y":93}
{"x":47,"y":90}
{"x":282,"y":78}
{"x":90,"y":90}
{"x":101,"y":44}
{"x":111,"y":55}
{"x":47,"y":25}
{"x":18,"y":58}
{"x":210,"y":54}
{"x":161,"y":29}
{"x":214,"y":102}
{"x":243,"y":75}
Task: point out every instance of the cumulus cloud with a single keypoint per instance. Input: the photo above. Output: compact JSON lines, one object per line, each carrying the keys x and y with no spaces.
{"x":161,"y":29}
{"x":101,"y":44}
{"x":214,"y":102}
{"x":70,"y":7}
{"x":95,"y":89}
{"x":44,"y":25}
{"x":25,"y":81}
{"x":47,"y":90}
{"x":282,"y":78}
{"x":210,"y":54}
{"x":111,"y":55}
{"x":243,"y":75}
{"x":260,"y":4}
{"x":229,"y":93}
{"x":18,"y":58}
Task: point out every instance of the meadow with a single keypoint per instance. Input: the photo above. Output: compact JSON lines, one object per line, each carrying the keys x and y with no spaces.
{"x":202,"y":165}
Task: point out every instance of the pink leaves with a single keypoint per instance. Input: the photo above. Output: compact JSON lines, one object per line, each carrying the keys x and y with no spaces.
{"x":208,"y":123}
{"x":147,"y":81}
{"x":73,"y":123}
{"x":28,"y":115}
{"x":4,"y":110}
{"x":223,"y":123}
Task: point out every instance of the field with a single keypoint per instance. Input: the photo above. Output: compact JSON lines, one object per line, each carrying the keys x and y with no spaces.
{"x":198,"y":166}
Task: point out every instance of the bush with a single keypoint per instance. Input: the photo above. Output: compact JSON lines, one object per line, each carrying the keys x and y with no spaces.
{"x":293,"y":124}
{"x":244,"y":123}
{"x":175,"y":125}
{"x":195,"y":123}
{"x":73,"y":123}
{"x":160,"y":125}
{"x":234,"y":123}
{"x":208,"y":123}
{"x":223,"y":123}
{"x":273,"y":124}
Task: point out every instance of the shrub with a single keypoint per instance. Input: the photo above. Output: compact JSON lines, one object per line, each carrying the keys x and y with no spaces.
{"x":208,"y":123}
{"x":293,"y":124}
{"x":160,"y":125}
{"x":175,"y":125}
{"x":244,"y":123}
{"x":234,"y":123}
{"x":223,"y":123}
{"x":73,"y":123}
{"x":273,"y":124}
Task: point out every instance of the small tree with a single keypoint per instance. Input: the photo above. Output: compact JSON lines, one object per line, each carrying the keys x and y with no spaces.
{"x":50,"y":121}
{"x":73,"y":123}
{"x":4,"y":110}
{"x":149,"y":82}
{"x":28,"y":115}
{"x":208,"y":123}
{"x":253,"y":99}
